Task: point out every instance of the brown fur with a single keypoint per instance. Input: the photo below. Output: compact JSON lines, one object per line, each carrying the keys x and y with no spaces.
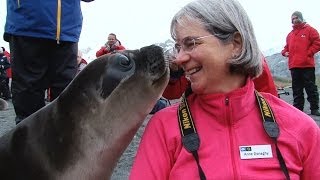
{"x":3,"y":104}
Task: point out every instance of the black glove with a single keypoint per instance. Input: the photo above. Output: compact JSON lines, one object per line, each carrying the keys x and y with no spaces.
{"x":176,"y":74}
{"x":113,"y":48}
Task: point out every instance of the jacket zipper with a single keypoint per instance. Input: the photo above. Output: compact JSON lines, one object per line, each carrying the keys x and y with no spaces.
{"x":18,"y":3}
{"x":58,"y":22}
{"x":231,"y":136}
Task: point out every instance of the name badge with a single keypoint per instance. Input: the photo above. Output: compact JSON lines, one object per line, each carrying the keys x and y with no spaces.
{"x":255,"y":152}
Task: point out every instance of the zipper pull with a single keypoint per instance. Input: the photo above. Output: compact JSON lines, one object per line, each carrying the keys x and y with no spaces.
{"x":227,"y":101}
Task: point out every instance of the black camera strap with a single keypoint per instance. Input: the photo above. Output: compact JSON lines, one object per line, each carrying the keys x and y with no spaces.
{"x":190,"y":138}
{"x":271,"y":127}
{"x":191,"y":141}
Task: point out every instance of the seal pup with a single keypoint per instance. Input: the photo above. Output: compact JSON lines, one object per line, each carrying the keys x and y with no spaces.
{"x":82,"y":134}
{"x":3,"y":104}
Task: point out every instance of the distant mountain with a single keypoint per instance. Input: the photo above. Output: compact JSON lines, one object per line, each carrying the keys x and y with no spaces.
{"x":278,"y":65}
{"x":89,"y":53}
{"x":272,"y":51}
{"x":167,"y":45}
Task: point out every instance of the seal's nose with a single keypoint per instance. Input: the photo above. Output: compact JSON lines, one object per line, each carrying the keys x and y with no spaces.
{"x":156,"y":62}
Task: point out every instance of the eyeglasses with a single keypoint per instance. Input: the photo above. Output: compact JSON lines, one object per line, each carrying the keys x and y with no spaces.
{"x":188,"y":44}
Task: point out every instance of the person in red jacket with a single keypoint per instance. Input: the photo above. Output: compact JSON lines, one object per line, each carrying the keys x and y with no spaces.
{"x":7,"y":54}
{"x":9,"y":73}
{"x":4,"y":83}
{"x":178,"y":83}
{"x":301,"y":45}
{"x":82,"y":63}
{"x":113,"y":44}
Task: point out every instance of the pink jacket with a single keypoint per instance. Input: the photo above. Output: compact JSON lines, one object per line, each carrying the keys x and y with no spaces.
{"x":224,"y":123}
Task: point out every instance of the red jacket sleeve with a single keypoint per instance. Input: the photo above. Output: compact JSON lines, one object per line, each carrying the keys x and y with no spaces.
{"x":9,"y":72}
{"x":315,"y":42}
{"x":101,"y":52}
{"x":175,"y":88}
{"x":121,"y":47}
{"x":265,"y":83}
{"x":83,"y":61}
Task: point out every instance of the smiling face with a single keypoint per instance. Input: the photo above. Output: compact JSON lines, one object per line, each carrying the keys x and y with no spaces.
{"x":206,"y":64}
{"x":111,"y":39}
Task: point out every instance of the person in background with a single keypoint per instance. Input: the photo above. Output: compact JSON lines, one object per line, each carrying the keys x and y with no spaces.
{"x":4,"y":65}
{"x":160,"y":104}
{"x":43,"y":39}
{"x":9,"y":74}
{"x":113,"y":44}
{"x":82,"y":63}
{"x":5,"y":52}
{"x":178,"y":83}
{"x":223,"y":128}
{"x":301,"y":45}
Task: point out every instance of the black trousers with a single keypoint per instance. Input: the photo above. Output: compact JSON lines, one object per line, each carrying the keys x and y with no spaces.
{"x":304,"y":78}
{"x":38,"y":64}
{"x":4,"y":88}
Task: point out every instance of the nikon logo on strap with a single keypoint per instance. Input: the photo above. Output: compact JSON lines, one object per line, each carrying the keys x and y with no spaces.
{"x":265,"y":108}
{"x":185,"y":119}
{"x":186,"y":124}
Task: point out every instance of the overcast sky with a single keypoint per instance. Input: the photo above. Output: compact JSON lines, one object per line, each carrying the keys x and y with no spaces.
{"x":143,"y":22}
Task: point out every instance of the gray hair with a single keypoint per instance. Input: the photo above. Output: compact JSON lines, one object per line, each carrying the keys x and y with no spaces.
{"x":223,"y":18}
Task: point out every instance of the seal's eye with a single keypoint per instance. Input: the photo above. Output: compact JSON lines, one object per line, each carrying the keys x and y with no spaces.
{"x":123,"y":60}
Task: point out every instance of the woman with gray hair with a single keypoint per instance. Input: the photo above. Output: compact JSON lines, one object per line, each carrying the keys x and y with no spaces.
{"x":223,"y":128}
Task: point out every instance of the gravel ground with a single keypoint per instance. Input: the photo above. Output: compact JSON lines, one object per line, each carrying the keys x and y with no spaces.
{"x":7,"y":119}
{"x":124,"y":165}
{"x":289,"y":99}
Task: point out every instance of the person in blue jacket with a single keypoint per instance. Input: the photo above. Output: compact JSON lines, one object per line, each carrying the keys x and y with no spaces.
{"x":43,"y":38}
